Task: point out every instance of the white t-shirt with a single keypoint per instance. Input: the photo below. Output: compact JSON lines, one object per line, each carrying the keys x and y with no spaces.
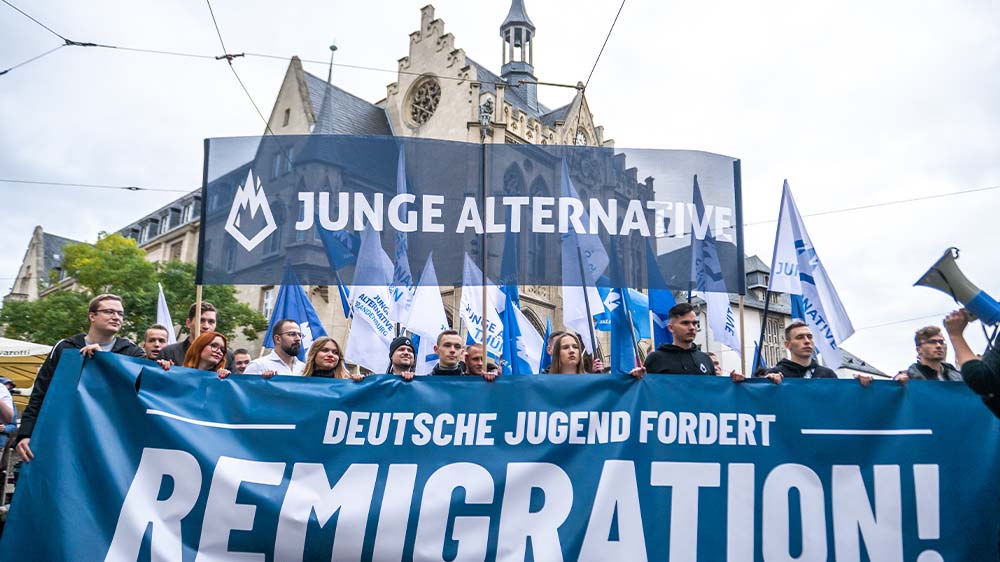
{"x":271,"y":362}
{"x":6,"y":399}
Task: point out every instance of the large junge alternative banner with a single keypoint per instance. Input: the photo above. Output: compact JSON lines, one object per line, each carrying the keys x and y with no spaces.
{"x":559,"y":467}
{"x":304,"y":201}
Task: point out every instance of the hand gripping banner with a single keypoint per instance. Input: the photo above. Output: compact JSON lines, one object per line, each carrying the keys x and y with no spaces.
{"x":304,"y":201}
{"x":562,"y":467}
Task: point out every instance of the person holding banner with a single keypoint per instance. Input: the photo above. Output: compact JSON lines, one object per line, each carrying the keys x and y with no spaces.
{"x":208,"y":353}
{"x":932,"y":350}
{"x":566,"y":356}
{"x":325,"y":359}
{"x":402,"y":358}
{"x":681,"y":357}
{"x":284,"y":359}
{"x":106,"y":314}
{"x":176,"y":352}
{"x":449,"y":349}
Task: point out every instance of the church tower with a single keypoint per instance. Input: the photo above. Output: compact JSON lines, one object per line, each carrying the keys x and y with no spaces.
{"x":518,"y":33}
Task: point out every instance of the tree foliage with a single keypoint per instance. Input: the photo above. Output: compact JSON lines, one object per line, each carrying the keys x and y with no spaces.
{"x":116,"y":264}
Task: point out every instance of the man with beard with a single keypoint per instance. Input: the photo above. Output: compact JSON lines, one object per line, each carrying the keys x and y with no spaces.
{"x":106,"y":315}
{"x":284,"y":359}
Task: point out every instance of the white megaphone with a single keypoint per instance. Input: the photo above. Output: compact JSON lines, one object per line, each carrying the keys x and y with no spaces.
{"x":946,"y":277}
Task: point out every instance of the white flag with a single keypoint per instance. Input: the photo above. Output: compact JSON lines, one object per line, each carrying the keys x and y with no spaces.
{"x":471,"y":308}
{"x":584,"y":260}
{"x":163,"y":316}
{"x":371,"y":330}
{"x":797,"y":270}
{"x":427,"y":317}
{"x":722,"y":321}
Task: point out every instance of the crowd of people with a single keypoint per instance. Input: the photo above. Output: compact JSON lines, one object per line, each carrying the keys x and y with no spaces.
{"x":209,"y":351}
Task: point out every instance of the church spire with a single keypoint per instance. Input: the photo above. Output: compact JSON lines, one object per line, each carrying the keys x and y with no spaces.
{"x":518,"y":34}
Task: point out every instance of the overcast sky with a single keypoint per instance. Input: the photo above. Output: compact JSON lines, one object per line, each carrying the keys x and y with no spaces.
{"x":854,"y":102}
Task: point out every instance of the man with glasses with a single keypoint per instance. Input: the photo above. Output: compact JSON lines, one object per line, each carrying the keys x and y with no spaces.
{"x":175,"y":352}
{"x":284,"y":359}
{"x":932,"y":350}
{"x":106,"y":315}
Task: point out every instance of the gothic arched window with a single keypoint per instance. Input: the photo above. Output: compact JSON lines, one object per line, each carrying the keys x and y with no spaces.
{"x":423,"y":100}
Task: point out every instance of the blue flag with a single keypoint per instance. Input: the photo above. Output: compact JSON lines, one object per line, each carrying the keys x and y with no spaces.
{"x":293,"y":304}
{"x":546,"y":357}
{"x":623,"y":357}
{"x":341,"y":250}
{"x":522,"y":349}
{"x":660,"y":301}
{"x":758,"y":359}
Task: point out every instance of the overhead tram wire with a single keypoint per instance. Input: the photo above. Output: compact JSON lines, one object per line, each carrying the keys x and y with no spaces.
{"x":32,"y":59}
{"x":229,"y":58}
{"x":96,"y":186}
{"x":42,"y":25}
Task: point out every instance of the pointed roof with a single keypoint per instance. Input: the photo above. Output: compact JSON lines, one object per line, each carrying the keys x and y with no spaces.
{"x":339,"y":112}
{"x":52,"y":250}
{"x":517,"y":16}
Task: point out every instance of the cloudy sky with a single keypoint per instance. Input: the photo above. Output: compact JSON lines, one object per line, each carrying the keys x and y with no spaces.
{"x":855,"y":103}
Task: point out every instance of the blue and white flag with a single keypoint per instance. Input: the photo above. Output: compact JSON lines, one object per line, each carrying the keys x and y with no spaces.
{"x":293,"y":304}
{"x":427,"y":318}
{"x":660,"y":301}
{"x":722,"y":321}
{"x":523,"y":345}
{"x":402,"y":289}
{"x":163,"y":316}
{"x":471,"y":309}
{"x":623,"y":333}
{"x":341,"y":251}
{"x":372,"y":329}
{"x":797,"y":270}
{"x":584,"y":261}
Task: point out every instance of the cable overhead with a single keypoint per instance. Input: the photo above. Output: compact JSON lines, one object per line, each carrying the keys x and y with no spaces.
{"x":45,"y":27}
{"x":96,"y":186}
{"x":32,"y":59}
{"x":583,"y":90}
{"x":883,"y":204}
{"x":229,"y":58}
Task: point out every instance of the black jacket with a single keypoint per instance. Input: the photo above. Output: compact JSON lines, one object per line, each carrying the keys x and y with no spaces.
{"x":122,"y":346}
{"x":983,"y":377}
{"x":458,"y":369}
{"x":919,"y":371}
{"x":668,"y":359}
{"x":791,"y":369}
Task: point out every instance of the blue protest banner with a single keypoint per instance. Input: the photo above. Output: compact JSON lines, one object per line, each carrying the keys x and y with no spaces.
{"x":263,"y":194}
{"x":134,"y":463}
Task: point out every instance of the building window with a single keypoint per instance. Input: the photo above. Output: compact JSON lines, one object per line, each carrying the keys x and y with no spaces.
{"x":187,"y":213}
{"x":425,"y":96}
{"x":175,"y":251}
{"x":288,"y":159}
{"x":276,"y":165}
{"x":288,"y":114}
{"x":164,"y":224}
{"x":230,"y":258}
{"x":773,"y":340}
{"x":267,"y":302}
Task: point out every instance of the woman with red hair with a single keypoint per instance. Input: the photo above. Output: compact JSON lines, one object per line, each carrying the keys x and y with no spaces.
{"x":208,"y":353}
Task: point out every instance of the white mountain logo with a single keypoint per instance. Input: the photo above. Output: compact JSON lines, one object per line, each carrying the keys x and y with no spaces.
{"x":250,"y":197}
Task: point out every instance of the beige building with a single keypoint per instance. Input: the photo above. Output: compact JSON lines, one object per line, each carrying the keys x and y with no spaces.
{"x":440,"y":93}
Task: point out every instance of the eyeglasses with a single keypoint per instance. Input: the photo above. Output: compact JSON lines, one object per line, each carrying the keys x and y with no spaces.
{"x":112,"y":312}
{"x":216,"y":346}
{"x":936,"y":341}
{"x":293,"y":335}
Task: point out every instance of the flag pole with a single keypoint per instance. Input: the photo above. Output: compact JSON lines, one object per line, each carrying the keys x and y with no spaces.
{"x":586,"y":302}
{"x":196,"y":330}
{"x":631,"y":326}
{"x":743,"y":346}
{"x":485,"y":115}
